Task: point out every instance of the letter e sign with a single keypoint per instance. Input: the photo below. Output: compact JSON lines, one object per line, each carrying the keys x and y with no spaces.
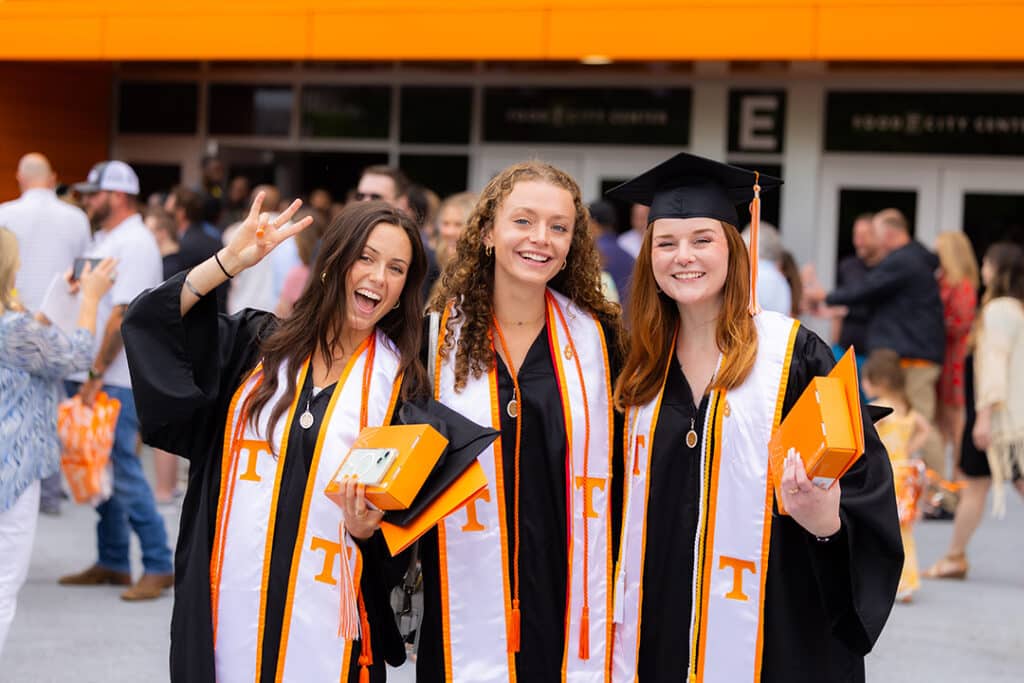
{"x":757,"y":121}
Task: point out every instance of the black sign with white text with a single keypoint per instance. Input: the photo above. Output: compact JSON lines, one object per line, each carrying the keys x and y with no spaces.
{"x":926,"y":123}
{"x":588,"y":115}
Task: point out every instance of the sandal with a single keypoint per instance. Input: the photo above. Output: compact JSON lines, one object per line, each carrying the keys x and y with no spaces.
{"x":949,"y":567}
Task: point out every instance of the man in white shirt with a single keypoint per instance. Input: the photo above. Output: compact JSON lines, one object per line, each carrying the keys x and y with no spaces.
{"x":51,"y":235}
{"x":773,"y":291}
{"x":111,"y":203}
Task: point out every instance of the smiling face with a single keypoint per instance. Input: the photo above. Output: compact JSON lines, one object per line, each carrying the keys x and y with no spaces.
{"x":375,"y":281}
{"x":532,"y":232}
{"x":690,"y":259}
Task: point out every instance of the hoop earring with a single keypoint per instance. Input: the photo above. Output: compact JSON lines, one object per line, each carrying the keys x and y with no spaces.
{"x":397,"y":304}
{"x":489,"y":251}
{"x":323,"y":278}
{"x":565,"y":263}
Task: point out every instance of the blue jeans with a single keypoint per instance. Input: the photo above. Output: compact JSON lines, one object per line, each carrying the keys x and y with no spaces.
{"x":132,"y":503}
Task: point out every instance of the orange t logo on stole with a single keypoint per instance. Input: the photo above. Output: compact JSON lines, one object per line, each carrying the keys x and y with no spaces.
{"x":253,"y":448}
{"x":738,"y":566}
{"x":332,"y":549}
{"x":588,"y":484}
{"x":472,"y":523}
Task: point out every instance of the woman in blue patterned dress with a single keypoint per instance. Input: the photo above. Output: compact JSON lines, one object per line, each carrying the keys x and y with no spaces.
{"x":34,"y":357}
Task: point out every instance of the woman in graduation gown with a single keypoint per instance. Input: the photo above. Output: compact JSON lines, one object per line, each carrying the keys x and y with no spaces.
{"x":518,"y":583}
{"x":712,"y":583}
{"x":264,"y":410}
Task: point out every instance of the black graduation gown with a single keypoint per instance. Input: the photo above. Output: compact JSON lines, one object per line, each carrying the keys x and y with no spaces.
{"x":543,"y":554}
{"x":825,"y":603}
{"x":184,"y":374}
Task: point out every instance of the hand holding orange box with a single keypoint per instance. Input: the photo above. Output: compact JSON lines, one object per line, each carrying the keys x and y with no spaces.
{"x":413,"y":452}
{"x":824,"y":428}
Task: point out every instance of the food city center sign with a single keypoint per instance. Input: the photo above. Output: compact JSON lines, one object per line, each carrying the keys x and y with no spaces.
{"x":926,"y":123}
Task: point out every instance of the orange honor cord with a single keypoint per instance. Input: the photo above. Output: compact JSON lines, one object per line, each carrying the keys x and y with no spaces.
{"x":353,"y":622}
{"x":584,"y":651}
{"x":513,"y":641}
{"x":755,"y":225}
{"x":365,"y":649}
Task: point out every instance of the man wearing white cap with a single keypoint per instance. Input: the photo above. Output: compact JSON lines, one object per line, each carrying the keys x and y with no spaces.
{"x":110,"y":194}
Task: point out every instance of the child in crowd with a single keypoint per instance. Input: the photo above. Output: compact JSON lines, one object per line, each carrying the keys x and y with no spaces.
{"x":903,"y":432}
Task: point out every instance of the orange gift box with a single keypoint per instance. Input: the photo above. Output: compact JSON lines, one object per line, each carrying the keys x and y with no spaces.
{"x":413,"y":452}
{"x":824,"y":428}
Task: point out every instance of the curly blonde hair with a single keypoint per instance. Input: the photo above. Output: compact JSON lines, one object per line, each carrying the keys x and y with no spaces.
{"x":469,"y":278}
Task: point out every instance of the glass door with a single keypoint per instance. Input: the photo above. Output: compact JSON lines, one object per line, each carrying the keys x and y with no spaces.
{"x":985,"y":200}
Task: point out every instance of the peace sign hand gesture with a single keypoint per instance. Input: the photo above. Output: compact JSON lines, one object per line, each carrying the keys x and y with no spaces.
{"x":258,"y":235}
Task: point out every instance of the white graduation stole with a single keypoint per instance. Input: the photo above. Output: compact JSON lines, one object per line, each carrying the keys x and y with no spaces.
{"x":310,"y":647}
{"x":734,"y":525}
{"x":476,"y":591}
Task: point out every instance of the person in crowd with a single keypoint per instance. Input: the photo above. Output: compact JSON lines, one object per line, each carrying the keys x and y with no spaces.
{"x":110,"y":197}
{"x":903,"y":433}
{"x":307,"y":242}
{"x":850,"y":323}
{"x":383,"y":183}
{"x":993,"y":443}
{"x":236,"y":202}
{"x":631,"y":240}
{"x":320,"y":201}
{"x":423,"y":204}
{"x":165,"y":465}
{"x":615,"y":260}
{"x":51,"y":234}
{"x":906,"y":315}
{"x":773,"y":291}
{"x":254,"y":287}
{"x":518,"y":585}
{"x":34,"y":358}
{"x":794,"y":278}
{"x":195,"y":244}
{"x":165,"y":231}
{"x":265,"y":419}
{"x":211,"y":189}
{"x":452,"y":216}
{"x":958,"y":288}
{"x":712,"y":583}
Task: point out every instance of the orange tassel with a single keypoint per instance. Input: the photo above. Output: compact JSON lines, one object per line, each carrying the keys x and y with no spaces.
{"x":585,"y":634}
{"x":364,"y":674}
{"x":514,"y":636}
{"x":755,"y":223}
{"x":348,"y":603}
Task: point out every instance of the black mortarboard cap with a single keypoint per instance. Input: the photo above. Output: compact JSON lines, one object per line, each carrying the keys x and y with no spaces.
{"x":689,"y":186}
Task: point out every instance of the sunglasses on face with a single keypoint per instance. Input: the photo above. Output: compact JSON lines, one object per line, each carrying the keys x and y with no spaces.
{"x":368,"y":196}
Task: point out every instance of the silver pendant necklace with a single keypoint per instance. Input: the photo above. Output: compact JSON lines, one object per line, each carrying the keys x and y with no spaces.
{"x":306,"y":419}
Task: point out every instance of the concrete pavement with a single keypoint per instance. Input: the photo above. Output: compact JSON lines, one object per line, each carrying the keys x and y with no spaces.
{"x":954,"y":631}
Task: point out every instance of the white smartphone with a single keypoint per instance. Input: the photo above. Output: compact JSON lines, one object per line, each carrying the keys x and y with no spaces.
{"x":368,"y":465}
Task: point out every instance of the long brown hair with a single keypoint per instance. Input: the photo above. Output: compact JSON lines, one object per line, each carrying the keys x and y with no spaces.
{"x":320,"y":311}
{"x":469,"y":278}
{"x":1007,"y":259}
{"x":654,"y":318}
